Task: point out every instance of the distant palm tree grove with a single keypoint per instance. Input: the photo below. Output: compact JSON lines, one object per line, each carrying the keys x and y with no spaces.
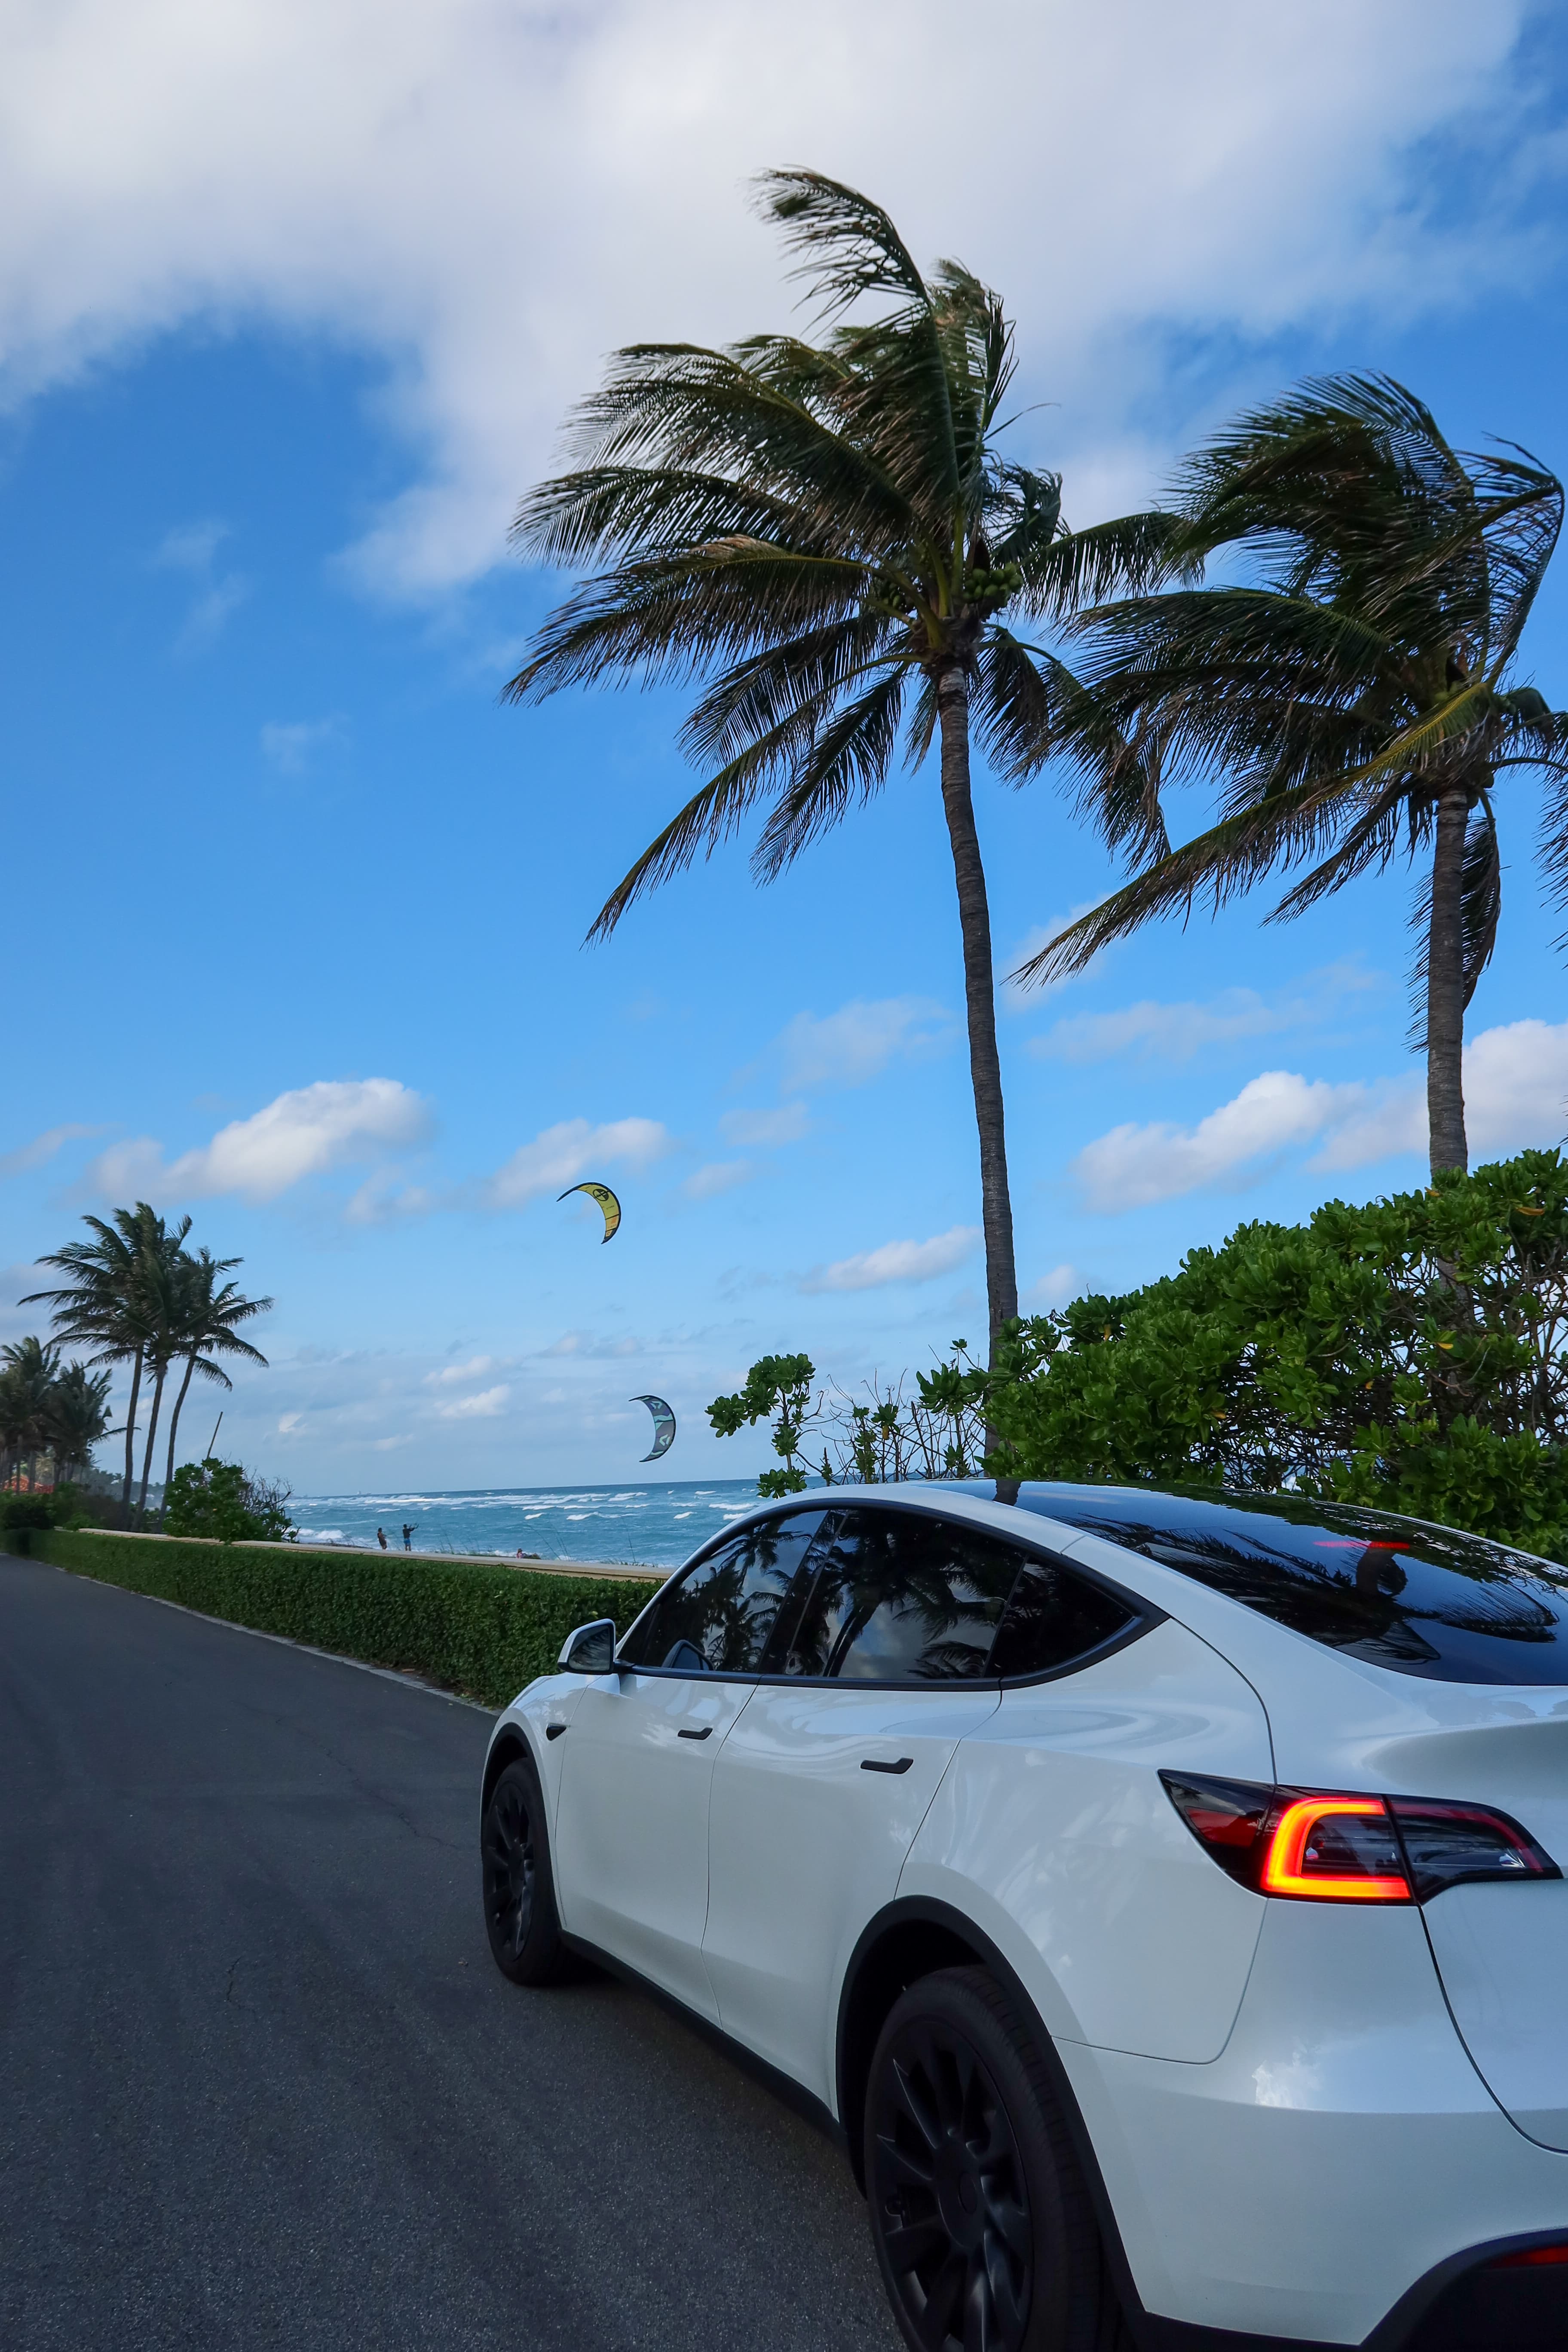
{"x":131,"y":1294}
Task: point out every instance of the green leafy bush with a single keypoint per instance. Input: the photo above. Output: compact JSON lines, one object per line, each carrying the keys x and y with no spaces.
{"x":23,"y":1516}
{"x":223,"y":1499}
{"x":1411,"y":1353}
{"x":480,"y":1630}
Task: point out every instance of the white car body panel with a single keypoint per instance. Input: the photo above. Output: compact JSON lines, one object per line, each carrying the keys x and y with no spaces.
{"x":631,"y":1824}
{"x":1341,"y":2145}
{"x":1053,"y":1833}
{"x":1290,"y":2127}
{"x":806,"y":1846}
{"x":1504,"y":1965}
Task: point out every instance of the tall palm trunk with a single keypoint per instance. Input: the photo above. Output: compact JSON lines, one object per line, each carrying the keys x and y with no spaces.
{"x":161,"y":1376}
{"x":980,"y":994}
{"x":1445,"y":989}
{"x":131,"y":1433}
{"x":174,"y":1431}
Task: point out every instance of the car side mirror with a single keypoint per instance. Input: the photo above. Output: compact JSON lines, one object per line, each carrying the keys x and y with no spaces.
{"x":591,"y":1650}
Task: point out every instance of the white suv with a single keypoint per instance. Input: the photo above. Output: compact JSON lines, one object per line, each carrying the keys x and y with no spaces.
{"x":1157,"y":1890}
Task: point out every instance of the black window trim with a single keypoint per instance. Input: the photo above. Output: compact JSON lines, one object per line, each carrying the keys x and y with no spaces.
{"x":1143,"y":1618}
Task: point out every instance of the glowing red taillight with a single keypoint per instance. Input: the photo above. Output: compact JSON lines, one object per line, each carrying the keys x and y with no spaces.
{"x":1333,"y":1850}
{"x":1532,"y":2258}
{"x":1320,"y":1845}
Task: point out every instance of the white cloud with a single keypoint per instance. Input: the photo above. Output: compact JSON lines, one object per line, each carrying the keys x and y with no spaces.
{"x":1176,"y":1032}
{"x":1134,"y":1166}
{"x":382,"y":1199}
{"x":561,"y":1154}
{"x":303,"y":1133}
{"x":483,"y":1407}
{"x":191,"y":547}
{"x":290,"y":745}
{"x":848,"y":1048}
{"x":473,"y":1369}
{"x":42,"y":1147}
{"x":758,"y":1129}
{"x":719,"y":1176}
{"x":204,"y":621}
{"x":1053,"y":1290}
{"x":583,"y":1343}
{"x":490,"y":196}
{"x":1516,"y":1095}
{"x":897,"y":1262}
{"x":291,"y":1425}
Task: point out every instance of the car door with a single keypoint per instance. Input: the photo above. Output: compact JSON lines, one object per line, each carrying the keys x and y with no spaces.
{"x":822,"y":1784}
{"x":631,"y":1826}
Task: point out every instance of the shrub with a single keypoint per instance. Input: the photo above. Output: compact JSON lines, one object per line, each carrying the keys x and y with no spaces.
{"x":479,"y":1629}
{"x":22,"y":1515}
{"x":1411,"y":1353}
{"x":223,"y":1500}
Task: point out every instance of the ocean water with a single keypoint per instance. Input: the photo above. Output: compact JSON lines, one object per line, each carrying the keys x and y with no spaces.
{"x":660,"y":1525}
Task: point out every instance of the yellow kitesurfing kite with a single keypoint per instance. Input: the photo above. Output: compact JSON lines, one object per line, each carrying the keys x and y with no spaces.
{"x":607,"y":1201}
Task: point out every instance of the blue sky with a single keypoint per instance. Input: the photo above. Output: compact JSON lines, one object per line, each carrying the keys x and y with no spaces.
{"x":295,"y":907}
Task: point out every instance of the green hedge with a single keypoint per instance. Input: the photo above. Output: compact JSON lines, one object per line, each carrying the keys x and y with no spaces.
{"x":483,"y":1630}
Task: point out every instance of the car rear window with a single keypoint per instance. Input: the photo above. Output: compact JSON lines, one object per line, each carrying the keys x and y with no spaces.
{"x":1421,"y":1600}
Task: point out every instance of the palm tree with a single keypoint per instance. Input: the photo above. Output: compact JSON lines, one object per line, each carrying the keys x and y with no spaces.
{"x":207,"y":1324}
{"x":1357,"y":693}
{"x":76,"y":1417}
{"x":14,"y":1407}
{"x":110,"y":1301}
{"x":28,"y":1374}
{"x":826,"y":536}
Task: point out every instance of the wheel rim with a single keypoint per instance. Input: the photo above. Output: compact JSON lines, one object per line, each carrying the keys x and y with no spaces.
{"x":951,"y":2206}
{"x":510,"y":1869}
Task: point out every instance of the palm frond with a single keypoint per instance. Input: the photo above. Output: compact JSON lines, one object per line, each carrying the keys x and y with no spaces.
{"x":806,"y":671}
{"x":848,"y":245}
{"x":1085,"y":568}
{"x":674,"y":616}
{"x":681,"y":408}
{"x":849,"y":759}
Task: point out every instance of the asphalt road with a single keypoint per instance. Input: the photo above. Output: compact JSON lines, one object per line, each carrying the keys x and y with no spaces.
{"x":260,"y":2083}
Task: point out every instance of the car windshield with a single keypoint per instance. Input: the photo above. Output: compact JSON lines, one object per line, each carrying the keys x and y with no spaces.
{"x":1421,"y":1600}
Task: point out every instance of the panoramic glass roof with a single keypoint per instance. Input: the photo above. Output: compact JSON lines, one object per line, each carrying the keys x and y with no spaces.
{"x":1421,"y":1600}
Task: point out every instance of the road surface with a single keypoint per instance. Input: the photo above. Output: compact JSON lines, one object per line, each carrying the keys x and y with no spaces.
{"x":260,"y":2084}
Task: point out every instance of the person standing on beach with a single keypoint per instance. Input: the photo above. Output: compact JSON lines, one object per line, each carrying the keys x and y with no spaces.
{"x":381,"y":1538}
{"x":407,"y":1534}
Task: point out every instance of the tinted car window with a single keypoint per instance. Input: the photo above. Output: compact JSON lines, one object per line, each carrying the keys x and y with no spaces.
{"x":1421,"y":1600}
{"x":1052,"y":1618}
{"x":901,"y":1597}
{"x":726,"y":1609}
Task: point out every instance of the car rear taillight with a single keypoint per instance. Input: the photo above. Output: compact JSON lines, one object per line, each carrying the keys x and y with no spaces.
{"x":1447,"y":1844}
{"x":1533,"y":2258}
{"x":1318,"y":1845}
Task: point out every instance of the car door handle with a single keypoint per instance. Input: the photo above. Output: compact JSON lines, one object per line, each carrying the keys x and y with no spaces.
{"x":697,"y":1735}
{"x":876,"y":1764}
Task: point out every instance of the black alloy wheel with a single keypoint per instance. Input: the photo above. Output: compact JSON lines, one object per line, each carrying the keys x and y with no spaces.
{"x":985,"y":2236}
{"x":519,"y":1895}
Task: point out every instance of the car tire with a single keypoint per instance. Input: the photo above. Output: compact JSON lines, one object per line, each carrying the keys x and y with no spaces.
{"x":519,"y":1887}
{"x":983,"y":2228}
